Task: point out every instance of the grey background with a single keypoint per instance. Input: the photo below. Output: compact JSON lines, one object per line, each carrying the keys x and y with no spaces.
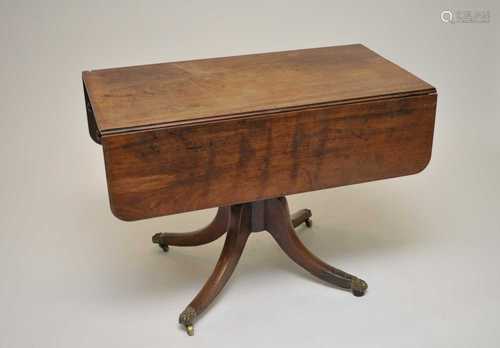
{"x":72,"y":275}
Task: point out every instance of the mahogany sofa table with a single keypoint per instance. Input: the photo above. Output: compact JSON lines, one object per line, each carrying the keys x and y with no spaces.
{"x":240,"y":133}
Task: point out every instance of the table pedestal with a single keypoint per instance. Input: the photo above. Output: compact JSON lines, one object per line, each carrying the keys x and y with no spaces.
{"x":238,"y":221}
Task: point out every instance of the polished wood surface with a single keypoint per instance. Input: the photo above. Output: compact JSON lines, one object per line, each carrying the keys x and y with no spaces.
{"x":159,"y":95}
{"x":236,"y":237}
{"x":239,"y":133}
{"x":209,"y":233}
{"x":207,"y":133}
{"x":280,"y":226}
{"x":172,"y":170}
{"x":270,"y":215}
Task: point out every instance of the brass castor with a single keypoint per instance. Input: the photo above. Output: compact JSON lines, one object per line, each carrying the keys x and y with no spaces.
{"x":157,"y":240}
{"x":187,"y":318}
{"x":239,"y":221}
{"x":358,"y":287}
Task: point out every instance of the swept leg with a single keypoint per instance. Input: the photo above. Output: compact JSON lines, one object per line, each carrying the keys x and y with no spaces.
{"x":214,"y":230}
{"x":233,"y":247}
{"x":279,"y":225}
{"x":301,"y":216}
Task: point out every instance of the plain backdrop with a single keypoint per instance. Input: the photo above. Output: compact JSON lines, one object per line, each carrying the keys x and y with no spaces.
{"x":72,"y":275}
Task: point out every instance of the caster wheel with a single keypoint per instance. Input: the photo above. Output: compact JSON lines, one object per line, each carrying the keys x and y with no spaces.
{"x":157,"y":240}
{"x":358,"y":293}
{"x":308,"y":222}
{"x":187,"y":318}
{"x":358,"y":287}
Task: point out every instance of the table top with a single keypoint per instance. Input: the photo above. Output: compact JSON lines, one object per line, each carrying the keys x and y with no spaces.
{"x":198,"y":134}
{"x":168,"y":94}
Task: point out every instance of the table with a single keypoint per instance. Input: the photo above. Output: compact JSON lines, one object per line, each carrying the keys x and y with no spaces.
{"x":240,"y":133}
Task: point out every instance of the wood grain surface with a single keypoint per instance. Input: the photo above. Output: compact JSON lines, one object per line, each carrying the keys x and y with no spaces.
{"x":159,"y":95}
{"x":175,"y":169}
